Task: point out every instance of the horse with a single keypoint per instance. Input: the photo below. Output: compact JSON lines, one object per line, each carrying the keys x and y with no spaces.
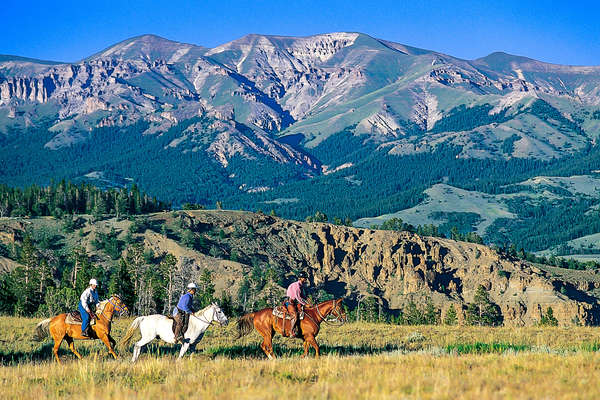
{"x":59,"y":329}
{"x":152,"y":326}
{"x":267,"y":324}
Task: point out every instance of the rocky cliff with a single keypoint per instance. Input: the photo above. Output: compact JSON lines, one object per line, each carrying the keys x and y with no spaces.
{"x":397,"y":267}
{"x":394,"y":267}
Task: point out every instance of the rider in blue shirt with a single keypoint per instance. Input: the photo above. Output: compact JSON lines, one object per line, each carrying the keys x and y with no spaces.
{"x":183,"y":311}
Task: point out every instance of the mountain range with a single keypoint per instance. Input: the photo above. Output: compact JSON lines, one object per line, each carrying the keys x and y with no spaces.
{"x":343,"y":122}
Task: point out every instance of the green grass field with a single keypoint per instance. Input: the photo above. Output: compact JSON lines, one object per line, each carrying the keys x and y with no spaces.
{"x":359,"y":361}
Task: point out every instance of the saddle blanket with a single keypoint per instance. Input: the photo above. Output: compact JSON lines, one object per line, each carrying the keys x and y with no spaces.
{"x":280,"y":311}
{"x":74,"y":317}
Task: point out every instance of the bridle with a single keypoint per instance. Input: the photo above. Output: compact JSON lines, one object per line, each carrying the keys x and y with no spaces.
{"x":120,"y":307}
{"x":335,"y":311}
{"x":212,"y":321}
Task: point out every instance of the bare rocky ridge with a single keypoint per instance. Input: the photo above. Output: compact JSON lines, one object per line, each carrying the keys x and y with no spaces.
{"x":314,"y":86}
{"x":395,"y":267}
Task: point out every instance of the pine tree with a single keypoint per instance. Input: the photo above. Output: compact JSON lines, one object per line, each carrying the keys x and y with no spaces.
{"x":483,"y":311}
{"x":431,"y":315}
{"x":206,"y":289}
{"x":120,"y":283}
{"x":136,"y":267}
{"x":548,"y":319}
{"x":167,"y":270}
{"x":25,"y":279}
{"x":450,"y":318}
{"x":412,"y":315}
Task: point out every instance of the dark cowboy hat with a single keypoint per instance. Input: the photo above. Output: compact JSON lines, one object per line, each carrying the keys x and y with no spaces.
{"x":303,"y":275}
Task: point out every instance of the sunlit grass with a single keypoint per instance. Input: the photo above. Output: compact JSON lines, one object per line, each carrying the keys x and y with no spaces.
{"x":360,"y":361}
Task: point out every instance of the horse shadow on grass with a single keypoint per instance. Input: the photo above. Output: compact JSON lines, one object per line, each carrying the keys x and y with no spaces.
{"x":44,"y":353}
{"x":10,"y":357}
{"x":254,"y":351}
{"x":40,"y":354}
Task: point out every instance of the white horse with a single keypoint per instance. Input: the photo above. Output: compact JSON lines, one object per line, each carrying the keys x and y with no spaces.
{"x":155,"y":325}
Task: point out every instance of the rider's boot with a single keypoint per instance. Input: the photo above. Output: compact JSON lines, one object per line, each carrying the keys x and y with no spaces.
{"x":87,"y":332}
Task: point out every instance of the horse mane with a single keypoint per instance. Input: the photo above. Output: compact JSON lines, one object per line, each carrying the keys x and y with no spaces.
{"x":200,"y":312}
{"x":101,"y":306}
{"x":323,"y":302}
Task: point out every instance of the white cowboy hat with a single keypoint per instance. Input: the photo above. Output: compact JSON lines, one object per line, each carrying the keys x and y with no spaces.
{"x":191,"y":285}
{"x":93,"y":282}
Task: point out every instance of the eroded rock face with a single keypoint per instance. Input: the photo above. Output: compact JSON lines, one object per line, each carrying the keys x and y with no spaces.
{"x":395,"y":267}
{"x":398,"y":267}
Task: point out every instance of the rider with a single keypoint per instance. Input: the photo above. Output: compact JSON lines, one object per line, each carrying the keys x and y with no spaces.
{"x":88,"y":298}
{"x":295,"y":294}
{"x":183,"y":311}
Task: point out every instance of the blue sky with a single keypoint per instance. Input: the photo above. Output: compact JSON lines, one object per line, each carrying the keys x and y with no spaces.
{"x":557,"y":32}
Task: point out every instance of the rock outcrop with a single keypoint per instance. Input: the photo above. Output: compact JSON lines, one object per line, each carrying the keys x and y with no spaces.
{"x":394,"y":267}
{"x":397,"y":267}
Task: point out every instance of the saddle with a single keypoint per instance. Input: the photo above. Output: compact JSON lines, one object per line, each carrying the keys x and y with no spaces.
{"x":74,"y":317}
{"x":280,"y":311}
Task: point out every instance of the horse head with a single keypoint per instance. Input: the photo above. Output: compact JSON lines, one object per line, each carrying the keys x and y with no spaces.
{"x":339,"y":311}
{"x":118,"y":304}
{"x":218,"y":315}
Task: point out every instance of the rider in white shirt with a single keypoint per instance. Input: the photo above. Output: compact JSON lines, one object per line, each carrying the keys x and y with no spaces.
{"x":88,"y":298}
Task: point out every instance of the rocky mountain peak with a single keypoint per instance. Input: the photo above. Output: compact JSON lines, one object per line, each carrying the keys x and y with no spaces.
{"x":147,"y":47}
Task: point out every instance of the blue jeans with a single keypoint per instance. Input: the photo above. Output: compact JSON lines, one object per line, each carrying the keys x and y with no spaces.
{"x":85,"y":318}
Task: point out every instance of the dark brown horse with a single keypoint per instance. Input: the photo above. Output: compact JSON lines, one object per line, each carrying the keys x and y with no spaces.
{"x":267,"y":324}
{"x":59,"y":329}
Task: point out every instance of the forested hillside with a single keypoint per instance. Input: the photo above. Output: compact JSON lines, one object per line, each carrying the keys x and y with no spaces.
{"x":343,"y":124}
{"x":246,"y":260}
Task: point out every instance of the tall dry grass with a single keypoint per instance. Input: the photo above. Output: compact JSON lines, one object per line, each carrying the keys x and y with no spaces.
{"x":361,"y":361}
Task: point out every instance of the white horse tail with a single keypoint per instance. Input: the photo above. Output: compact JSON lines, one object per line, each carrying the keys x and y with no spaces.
{"x":42,"y":330}
{"x":130,"y":332}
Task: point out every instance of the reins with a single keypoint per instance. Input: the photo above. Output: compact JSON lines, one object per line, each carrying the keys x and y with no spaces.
{"x":333,"y":322}
{"x":118,"y":308}
{"x":211,"y":322}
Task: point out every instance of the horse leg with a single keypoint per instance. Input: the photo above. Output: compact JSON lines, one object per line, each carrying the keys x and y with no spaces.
{"x":188,"y":345}
{"x":184,"y":348}
{"x":267,"y":344}
{"x":57,"y":341}
{"x":71,"y":344}
{"x":104,"y":337}
{"x":137,"y":349}
{"x":306,"y":346}
{"x":313,"y":342}
{"x":112,"y":341}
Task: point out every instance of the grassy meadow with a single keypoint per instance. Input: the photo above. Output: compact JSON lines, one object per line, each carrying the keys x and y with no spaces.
{"x":358,"y":361}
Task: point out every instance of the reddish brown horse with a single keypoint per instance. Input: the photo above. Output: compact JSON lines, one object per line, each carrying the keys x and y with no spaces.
{"x":59,"y":329}
{"x":267,"y":324}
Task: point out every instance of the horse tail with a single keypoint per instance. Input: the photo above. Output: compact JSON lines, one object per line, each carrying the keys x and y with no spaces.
{"x":245,"y":325}
{"x":42,"y":330}
{"x":130,"y":332}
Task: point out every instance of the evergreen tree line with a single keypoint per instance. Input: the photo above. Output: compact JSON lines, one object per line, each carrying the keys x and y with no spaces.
{"x":62,"y":198}
{"x":49,"y":282}
{"x":482,"y":311}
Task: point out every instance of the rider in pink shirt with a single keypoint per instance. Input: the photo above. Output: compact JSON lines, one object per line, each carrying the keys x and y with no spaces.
{"x":295,"y":297}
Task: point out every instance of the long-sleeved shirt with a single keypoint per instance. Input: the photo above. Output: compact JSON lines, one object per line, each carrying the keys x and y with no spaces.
{"x":185,"y":303}
{"x":294,"y":292}
{"x":89,"y":298}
